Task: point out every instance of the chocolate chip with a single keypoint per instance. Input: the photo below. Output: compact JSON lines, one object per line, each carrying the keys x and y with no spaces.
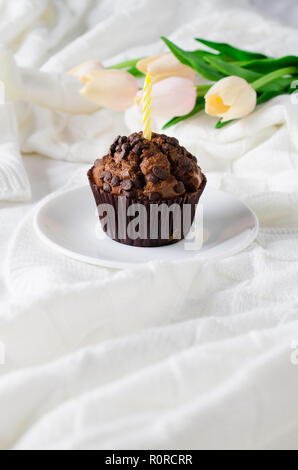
{"x":124,"y":150}
{"x":122,"y":140}
{"x":116,"y":141}
{"x":127,"y":185}
{"x":113,"y":148}
{"x":122,"y":153}
{"x":136,"y":139}
{"x":179,"y":188}
{"x":119,"y":148}
{"x":107,"y":176}
{"x":107,"y":187}
{"x":132,"y":136}
{"x":139,"y":182}
{"x":166,"y":147}
{"x":138,"y":148}
{"x":185,"y":164}
{"x":173,"y":141}
{"x":151,"y":178}
{"x":115,"y":181}
{"x":154,"y":197}
{"x":160,"y":172}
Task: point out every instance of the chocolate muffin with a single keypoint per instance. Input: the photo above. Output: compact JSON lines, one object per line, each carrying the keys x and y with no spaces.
{"x":159,"y":172}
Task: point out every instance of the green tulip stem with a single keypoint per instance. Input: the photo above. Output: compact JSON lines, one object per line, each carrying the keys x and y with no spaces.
{"x":126,"y":64}
{"x":270,"y":77}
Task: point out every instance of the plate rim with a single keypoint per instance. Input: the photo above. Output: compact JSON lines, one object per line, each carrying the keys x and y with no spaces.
{"x":252,"y":235}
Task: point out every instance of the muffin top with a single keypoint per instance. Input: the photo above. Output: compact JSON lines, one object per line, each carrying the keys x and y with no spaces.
{"x":157,"y":169}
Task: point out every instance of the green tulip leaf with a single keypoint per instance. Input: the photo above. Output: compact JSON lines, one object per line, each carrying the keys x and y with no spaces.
{"x":126,"y":64}
{"x":194,"y":60}
{"x":135,"y":72}
{"x":270,"y":65}
{"x":277,"y":83}
{"x":266,"y":96}
{"x":130,"y":67}
{"x":232,"y":52}
{"x":221,"y":124}
{"x":273,"y":80}
{"x":228,"y":68}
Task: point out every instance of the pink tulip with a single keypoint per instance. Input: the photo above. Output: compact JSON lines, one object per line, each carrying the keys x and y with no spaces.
{"x":174,"y":96}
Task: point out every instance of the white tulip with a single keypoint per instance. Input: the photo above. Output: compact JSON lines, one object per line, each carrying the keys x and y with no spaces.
{"x":164,"y":66}
{"x":113,"y":89}
{"x":230,"y":98}
{"x":86,"y":67}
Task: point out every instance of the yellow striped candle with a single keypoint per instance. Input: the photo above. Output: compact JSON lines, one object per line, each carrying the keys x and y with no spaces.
{"x":147,"y":97}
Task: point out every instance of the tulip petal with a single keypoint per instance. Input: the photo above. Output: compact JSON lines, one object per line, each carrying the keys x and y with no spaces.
{"x":230,"y":98}
{"x":173,"y":96}
{"x":114,"y":89}
{"x":244,"y":106}
{"x":215,"y":105}
{"x":165,"y":66}
{"x":143,"y":64}
{"x":169,"y":66}
{"x":85,"y":68}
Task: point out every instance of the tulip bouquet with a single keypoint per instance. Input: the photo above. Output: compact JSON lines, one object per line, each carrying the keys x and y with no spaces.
{"x":236,"y":82}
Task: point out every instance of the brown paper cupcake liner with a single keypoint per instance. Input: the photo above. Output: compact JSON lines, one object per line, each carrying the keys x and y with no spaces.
{"x":155,"y":223}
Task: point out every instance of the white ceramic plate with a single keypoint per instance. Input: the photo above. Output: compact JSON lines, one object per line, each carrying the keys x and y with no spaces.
{"x":69,"y":223}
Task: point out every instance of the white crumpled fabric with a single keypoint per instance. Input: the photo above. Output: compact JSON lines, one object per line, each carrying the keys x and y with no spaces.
{"x":170,"y":355}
